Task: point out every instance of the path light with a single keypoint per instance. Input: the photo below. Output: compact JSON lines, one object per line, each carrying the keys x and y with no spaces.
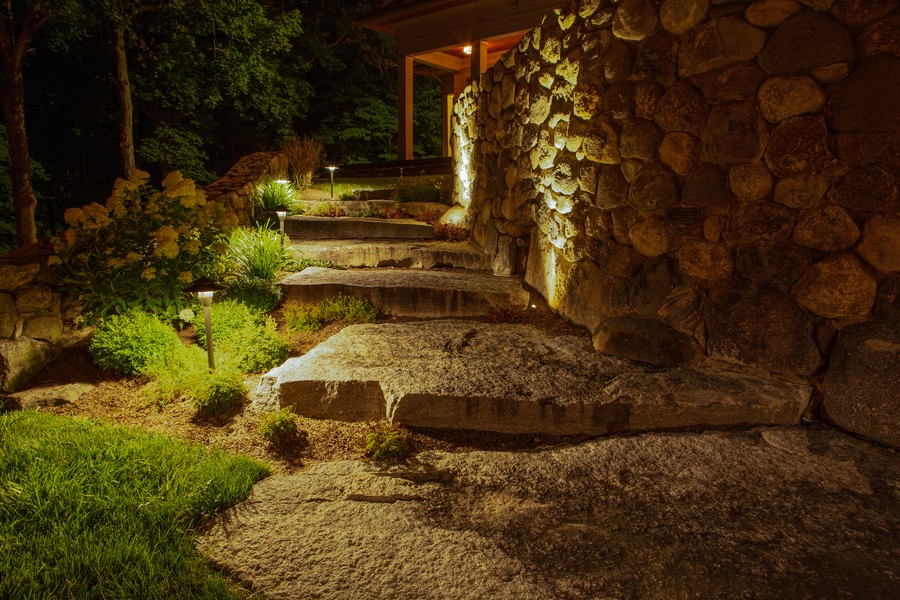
{"x":281,"y":214}
{"x":204,"y":288}
{"x":332,"y":169}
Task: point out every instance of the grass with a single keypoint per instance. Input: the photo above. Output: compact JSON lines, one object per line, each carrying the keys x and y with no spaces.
{"x":92,"y":511}
{"x":346,"y":186}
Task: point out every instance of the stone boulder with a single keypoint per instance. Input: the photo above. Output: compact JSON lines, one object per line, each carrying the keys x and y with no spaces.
{"x":20,"y":359}
{"x":880,"y":245}
{"x":860,"y":386}
{"x":643,"y":340}
{"x":869,"y":189}
{"x":805,"y":41}
{"x":837,"y":286}
{"x":759,"y":326}
{"x":718,"y":43}
{"x":827,"y":227}
{"x":867,"y":99}
{"x":735,"y":133}
{"x":799,"y":146}
{"x":772,"y":263}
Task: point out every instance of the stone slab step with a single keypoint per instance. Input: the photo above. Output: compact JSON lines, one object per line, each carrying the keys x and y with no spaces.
{"x":514,"y":379}
{"x":356,"y":228}
{"x":426,"y":294}
{"x":406,"y":254}
{"x":354,"y":206}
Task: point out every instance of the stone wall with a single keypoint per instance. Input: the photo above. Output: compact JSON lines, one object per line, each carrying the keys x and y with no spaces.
{"x":695,"y":179}
{"x":237,"y":185}
{"x":31,"y":315}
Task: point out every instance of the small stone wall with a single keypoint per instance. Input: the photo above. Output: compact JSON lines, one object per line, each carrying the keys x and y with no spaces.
{"x":237,"y":185}
{"x":32,"y":311}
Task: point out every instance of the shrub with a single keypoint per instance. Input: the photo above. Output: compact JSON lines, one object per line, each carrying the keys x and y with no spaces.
{"x":387,"y":444}
{"x":227,"y":316}
{"x":256,"y":348}
{"x":431,"y":216}
{"x":303,"y":154}
{"x":185,"y":373}
{"x":259,"y":294}
{"x":259,"y":253}
{"x":327,"y":210}
{"x":450,"y":233}
{"x":129,"y":342}
{"x":221,"y":390}
{"x":270,"y":196}
{"x":347,"y":196}
{"x":392,"y":213}
{"x":306,"y":317}
{"x":369,"y":213}
{"x":142,"y":247}
{"x":417,"y":190}
{"x":278,"y":427}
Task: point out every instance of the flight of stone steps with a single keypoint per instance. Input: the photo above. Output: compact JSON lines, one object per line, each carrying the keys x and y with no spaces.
{"x":447,"y":371}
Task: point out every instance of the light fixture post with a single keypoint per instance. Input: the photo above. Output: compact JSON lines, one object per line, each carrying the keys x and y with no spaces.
{"x":332,"y":169}
{"x":204,"y":288}
{"x":281,"y":214}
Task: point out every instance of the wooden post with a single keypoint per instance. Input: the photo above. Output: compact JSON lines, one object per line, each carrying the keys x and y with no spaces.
{"x":479,"y":59}
{"x":447,"y":97}
{"x":405,"y":108}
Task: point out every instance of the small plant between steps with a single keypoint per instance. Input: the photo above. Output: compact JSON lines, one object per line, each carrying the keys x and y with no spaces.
{"x":312,"y":317}
{"x":387,"y":444}
{"x":279,"y":427}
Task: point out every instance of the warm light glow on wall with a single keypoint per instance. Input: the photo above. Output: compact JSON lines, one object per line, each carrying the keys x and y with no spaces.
{"x":467,"y":49}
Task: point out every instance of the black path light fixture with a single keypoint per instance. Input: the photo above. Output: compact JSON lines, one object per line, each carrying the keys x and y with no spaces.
{"x":204,"y":288}
{"x":332,"y":169}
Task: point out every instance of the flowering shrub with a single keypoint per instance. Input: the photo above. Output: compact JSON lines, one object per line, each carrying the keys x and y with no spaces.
{"x":141,"y":248}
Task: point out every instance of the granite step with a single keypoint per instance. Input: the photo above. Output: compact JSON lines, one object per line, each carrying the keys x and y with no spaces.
{"x":406,"y":254}
{"x":309,"y":228}
{"x":410,"y":293}
{"x":457,"y":374}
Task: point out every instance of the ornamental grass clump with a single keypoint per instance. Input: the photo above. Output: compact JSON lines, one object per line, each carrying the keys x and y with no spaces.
{"x":304,"y":155}
{"x":129,"y":343}
{"x":279,"y":427}
{"x":254,"y":259}
{"x":271,"y":196}
{"x":141,"y":248}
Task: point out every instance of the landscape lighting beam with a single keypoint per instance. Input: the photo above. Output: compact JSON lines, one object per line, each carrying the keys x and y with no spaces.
{"x":332,"y":169}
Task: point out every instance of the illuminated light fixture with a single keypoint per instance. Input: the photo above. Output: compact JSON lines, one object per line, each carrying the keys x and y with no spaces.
{"x":332,"y":169}
{"x":467,"y":49}
{"x":281,"y":214}
{"x":204,"y":288}
{"x":282,"y":181}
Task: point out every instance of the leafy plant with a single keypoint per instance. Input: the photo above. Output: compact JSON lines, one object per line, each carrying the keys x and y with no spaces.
{"x":130,"y":342}
{"x":327,"y":210}
{"x":306,"y":317}
{"x":387,"y":444}
{"x":228,"y":316}
{"x":256,"y":348}
{"x":94,"y":511}
{"x":142,"y":247}
{"x":259,"y":294}
{"x":271,"y":196}
{"x":450,"y":232}
{"x":279,"y":427}
{"x":347,"y":196}
{"x":431,"y":216}
{"x":259,"y":253}
{"x":184,"y":373}
{"x":304,"y":155}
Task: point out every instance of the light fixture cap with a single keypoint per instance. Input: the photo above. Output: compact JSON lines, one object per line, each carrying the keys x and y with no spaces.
{"x":204,"y":284}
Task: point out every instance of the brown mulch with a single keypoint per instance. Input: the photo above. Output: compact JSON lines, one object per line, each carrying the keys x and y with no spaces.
{"x":127,"y":401}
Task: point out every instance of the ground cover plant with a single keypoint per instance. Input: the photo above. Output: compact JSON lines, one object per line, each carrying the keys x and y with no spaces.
{"x":312,"y":317}
{"x":88,"y":510}
{"x":129,"y":343}
{"x":387,"y":443}
{"x":279,"y":427}
{"x":141,"y":248}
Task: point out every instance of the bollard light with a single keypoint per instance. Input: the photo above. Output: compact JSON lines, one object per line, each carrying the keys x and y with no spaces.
{"x":281,"y":214}
{"x":205,"y":288}
{"x":332,"y":169}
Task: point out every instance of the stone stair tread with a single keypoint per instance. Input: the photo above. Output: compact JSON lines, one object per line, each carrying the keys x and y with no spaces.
{"x":409,"y":254}
{"x":514,"y":379}
{"x":412,"y":293}
{"x":306,"y":227}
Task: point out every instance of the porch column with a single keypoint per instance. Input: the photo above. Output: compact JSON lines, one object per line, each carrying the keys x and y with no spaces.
{"x":405,"y":108}
{"x":479,"y":59}
{"x":447,"y":95}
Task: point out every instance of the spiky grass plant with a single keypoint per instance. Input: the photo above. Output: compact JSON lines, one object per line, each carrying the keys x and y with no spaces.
{"x":259,"y":253}
{"x":304,"y":155}
{"x":271,"y":196}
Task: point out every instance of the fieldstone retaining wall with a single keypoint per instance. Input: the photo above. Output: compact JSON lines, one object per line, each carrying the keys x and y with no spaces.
{"x":693,"y":178}
{"x":237,"y":185}
{"x":32,"y":312}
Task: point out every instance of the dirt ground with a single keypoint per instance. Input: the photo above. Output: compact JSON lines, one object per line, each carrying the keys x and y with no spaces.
{"x":126,"y":401}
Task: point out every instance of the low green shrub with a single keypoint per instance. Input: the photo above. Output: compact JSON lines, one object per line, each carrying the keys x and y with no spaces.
{"x":226,"y":316}
{"x":223,"y":389}
{"x":129,"y":342}
{"x":259,"y":253}
{"x":415,"y":190}
{"x":306,"y":317}
{"x":270,"y":196}
{"x":347,"y":196}
{"x":387,"y":444}
{"x":369,"y":213}
{"x":256,"y":347}
{"x":259,"y":294}
{"x":279,"y":427}
{"x":185,"y":374}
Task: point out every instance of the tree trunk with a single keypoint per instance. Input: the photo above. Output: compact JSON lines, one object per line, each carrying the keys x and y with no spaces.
{"x":12,"y":97}
{"x":126,"y":124}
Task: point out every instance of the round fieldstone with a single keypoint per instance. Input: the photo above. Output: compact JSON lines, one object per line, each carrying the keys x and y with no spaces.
{"x":761,"y":221}
{"x":630,"y":168}
{"x":769,"y":13}
{"x":831,"y":73}
{"x":639,"y":139}
{"x":8,"y":316}
{"x":615,"y":259}
{"x":713,"y":228}
{"x":680,"y":151}
{"x":799,"y":146}
{"x":705,"y":186}
{"x":617,"y":61}
{"x":860,"y":387}
{"x":649,"y":289}
{"x":800,"y":192}
{"x":612,"y":189}
{"x":717,"y":43}
{"x":656,"y":59}
{"x":887,"y":301}
{"x":601,"y":143}
{"x":36,"y":298}
{"x":782,"y":97}
{"x":592,"y":295}
{"x":644,"y":340}
{"x":869,"y":189}
{"x":730,"y":84}
{"x":682,"y":108}
{"x":651,"y":237}
{"x":14,"y":276}
{"x":704,"y":260}
{"x":880,"y":245}
{"x":837,"y":286}
{"x":48,"y":328}
{"x":829,"y":228}
{"x":635,"y":20}
{"x":735,"y":133}
{"x":750,"y":181}
{"x":856,"y":13}
{"x":618,"y":101}
{"x":867,"y":99}
{"x":805,"y":41}
{"x":678,"y":16}
{"x":882,"y":37}
{"x":772,"y":263}
{"x":624,"y":218}
{"x":654,"y":187}
{"x":759,"y":326}
{"x":646,"y":96}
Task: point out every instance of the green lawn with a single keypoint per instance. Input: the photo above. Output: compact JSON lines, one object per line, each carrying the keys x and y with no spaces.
{"x":93,"y":511}
{"x":426,"y":186}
